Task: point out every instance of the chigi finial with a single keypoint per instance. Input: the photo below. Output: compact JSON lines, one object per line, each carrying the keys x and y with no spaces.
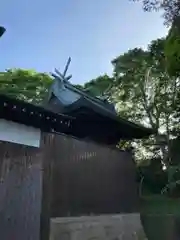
{"x":62,"y":76}
{"x":2,"y":30}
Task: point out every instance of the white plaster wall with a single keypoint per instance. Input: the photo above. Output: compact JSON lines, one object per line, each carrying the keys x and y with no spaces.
{"x":107,"y":227}
{"x":19,"y":133}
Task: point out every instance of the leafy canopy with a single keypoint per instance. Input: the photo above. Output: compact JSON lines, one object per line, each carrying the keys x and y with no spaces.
{"x":170,"y":8}
{"x":26,"y":85}
{"x":171,"y":15}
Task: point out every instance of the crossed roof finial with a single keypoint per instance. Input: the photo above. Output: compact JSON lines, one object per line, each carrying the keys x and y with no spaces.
{"x":2,"y":30}
{"x":62,"y":76}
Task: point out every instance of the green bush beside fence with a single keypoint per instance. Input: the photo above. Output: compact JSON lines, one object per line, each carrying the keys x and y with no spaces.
{"x":160,"y":217}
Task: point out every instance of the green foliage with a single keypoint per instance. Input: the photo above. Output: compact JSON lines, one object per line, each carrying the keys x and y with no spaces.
{"x":160,"y":217}
{"x":173,"y":186}
{"x":172,"y":52}
{"x":171,"y":15}
{"x":99,"y":86}
{"x":170,"y":8}
{"x":146,"y":93}
{"x":80,"y":87}
{"x":159,"y":204}
{"x":152,"y":173}
{"x":130,"y":70}
{"x":27,"y":85}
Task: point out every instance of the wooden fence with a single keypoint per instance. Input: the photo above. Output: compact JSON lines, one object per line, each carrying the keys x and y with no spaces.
{"x":64,"y":177}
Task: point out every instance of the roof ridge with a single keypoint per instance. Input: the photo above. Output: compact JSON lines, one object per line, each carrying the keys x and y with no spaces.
{"x":85,"y":94}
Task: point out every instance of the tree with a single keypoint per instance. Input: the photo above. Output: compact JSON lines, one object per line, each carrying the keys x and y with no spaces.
{"x":26,"y":85}
{"x":99,"y":86}
{"x":170,"y":8}
{"x":172,"y":49}
{"x":171,"y":15}
{"x":146,"y":93}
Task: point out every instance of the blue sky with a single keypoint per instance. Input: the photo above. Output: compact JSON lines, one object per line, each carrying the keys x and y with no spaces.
{"x":42,"y":34}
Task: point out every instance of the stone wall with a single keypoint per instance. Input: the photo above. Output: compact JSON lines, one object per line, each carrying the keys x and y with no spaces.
{"x":104,"y":227}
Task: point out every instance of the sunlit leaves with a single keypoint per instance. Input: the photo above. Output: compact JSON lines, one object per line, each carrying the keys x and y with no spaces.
{"x":145,"y":93}
{"x":23,"y":84}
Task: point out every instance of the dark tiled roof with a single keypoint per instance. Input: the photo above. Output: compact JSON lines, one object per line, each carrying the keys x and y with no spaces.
{"x":94,"y":112}
{"x":32,"y":115}
{"x":105,"y":106}
{"x":104,"y":130}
